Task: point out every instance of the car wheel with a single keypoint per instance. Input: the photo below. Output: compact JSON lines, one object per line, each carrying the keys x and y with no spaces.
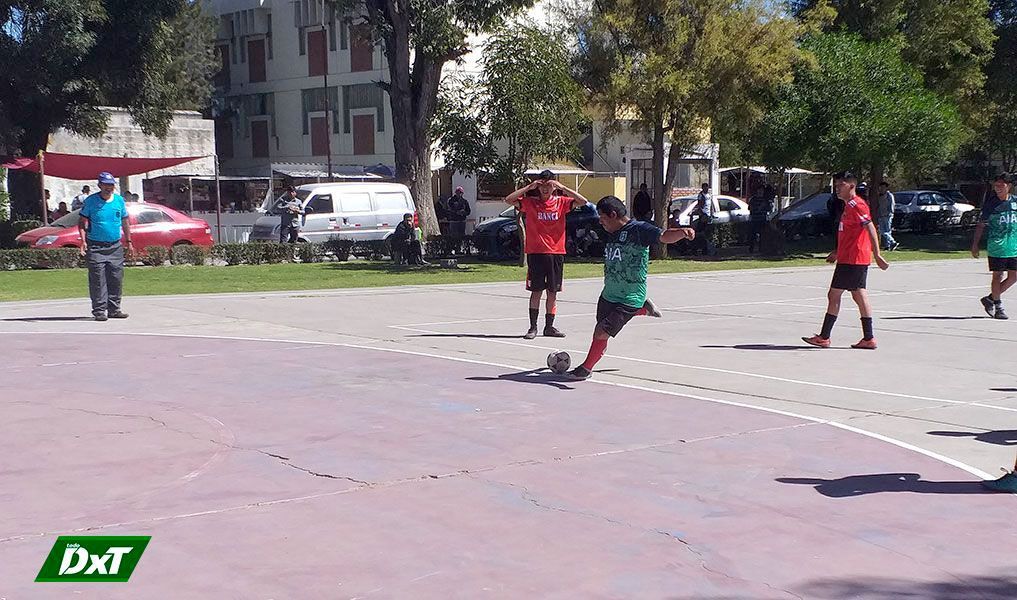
{"x":182,"y":243}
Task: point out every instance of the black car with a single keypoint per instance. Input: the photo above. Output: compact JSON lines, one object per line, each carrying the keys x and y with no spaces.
{"x":498,"y":238}
{"x":809,"y":217}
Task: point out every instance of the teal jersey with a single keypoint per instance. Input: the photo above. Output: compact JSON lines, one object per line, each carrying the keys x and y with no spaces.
{"x":1000,"y":219}
{"x":626,"y":262}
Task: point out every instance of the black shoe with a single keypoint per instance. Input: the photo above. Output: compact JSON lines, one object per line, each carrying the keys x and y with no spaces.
{"x":100,"y":317}
{"x":531,"y":334}
{"x":651,"y":309}
{"x":580,"y":372}
{"x":1000,"y":313}
{"x":552,"y":331}
{"x":118,"y":315}
{"x":988,"y":305}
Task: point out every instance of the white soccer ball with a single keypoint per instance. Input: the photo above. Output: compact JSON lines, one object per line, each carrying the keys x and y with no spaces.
{"x":559,"y":362}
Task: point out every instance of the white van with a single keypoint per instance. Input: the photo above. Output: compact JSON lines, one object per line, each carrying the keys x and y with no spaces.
{"x":360,"y":211}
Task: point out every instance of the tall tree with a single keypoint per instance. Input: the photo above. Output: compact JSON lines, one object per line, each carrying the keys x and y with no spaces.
{"x":419,"y":37}
{"x":669,"y":68}
{"x":64,"y":59}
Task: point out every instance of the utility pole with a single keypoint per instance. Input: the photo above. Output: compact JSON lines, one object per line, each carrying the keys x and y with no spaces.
{"x":328,"y":102}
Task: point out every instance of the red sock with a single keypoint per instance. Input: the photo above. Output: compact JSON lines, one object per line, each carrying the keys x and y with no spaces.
{"x":642,"y":312}
{"x":597,"y":350}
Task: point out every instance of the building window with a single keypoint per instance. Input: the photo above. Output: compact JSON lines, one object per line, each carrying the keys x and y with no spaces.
{"x":317,"y":53}
{"x":256,"y":66}
{"x":302,"y":41}
{"x":364,"y":95}
{"x":361,"y":48}
{"x":243,"y":49}
{"x":258,"y":105}
{"x":268,"y":34}
{"x":259,"y":139}
{"x":363,"y":134}
{"x":314,"y":102}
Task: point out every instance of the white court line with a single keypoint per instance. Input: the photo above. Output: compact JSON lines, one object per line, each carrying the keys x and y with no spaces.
{"x":899,"y":443}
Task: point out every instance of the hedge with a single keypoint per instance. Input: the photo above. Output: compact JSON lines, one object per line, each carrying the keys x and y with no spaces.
{"x":187,"y":254}
{"x":54,"y":258}
{"x":155,"y":256}
{"x":22,"y":226}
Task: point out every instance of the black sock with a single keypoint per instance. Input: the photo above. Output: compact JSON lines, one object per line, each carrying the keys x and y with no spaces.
{"x":534,"y":313}
{"x":828,"y":322}
{"x":867,"y":328}
{"x":998,"y":302}
{"x":548,"y":321}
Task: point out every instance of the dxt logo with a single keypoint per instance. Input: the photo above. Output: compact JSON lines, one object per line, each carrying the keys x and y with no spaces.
{"x":93,"y":558}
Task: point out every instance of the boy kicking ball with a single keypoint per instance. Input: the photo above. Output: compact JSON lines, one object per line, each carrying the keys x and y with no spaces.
{"x":999,"y":217}
{"x":626,"y":260}
{"x":857,"y":242}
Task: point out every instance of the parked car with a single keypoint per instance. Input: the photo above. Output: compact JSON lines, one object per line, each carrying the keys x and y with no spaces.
{"x":151,"y":225}
{"x":498,"y":238}
{"x":361,"y":211}
{"x":808,"y":217}
{"x":910,"y":202}
{"x":726,"y":209}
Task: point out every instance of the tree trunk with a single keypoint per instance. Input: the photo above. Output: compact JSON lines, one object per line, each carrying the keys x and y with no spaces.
{"x":25,"y":187}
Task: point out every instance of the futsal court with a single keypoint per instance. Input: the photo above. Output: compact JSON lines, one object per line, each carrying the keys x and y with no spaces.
{"x":407,"y":443}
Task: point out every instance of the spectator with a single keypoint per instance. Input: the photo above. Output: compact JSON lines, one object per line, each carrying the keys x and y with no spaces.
{"x":703,"y":214}
{"x":404,"y":242}
{"x":79,"y":200}
{"x":760,"y":206}
{"x":885,"y":205}
{"x":49,"y":200}
{"x":642,"y":205}
{"x":289,"y":211}
{"x":61,"y":211}
{"x":135,"y":197}
{"x":457,"y":209}
{"x":102,"y":225}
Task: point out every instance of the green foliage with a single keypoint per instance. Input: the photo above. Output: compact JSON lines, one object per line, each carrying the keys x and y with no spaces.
{"x":155,"y":256}
{"x":524,"y":105}
{"x":339,"y":248}
{"x":22,"y":226}
{"x":857,"y":103}
{"x":232,"y":254}
{"x":310,"y":253}
{"x":54,"y":258}
{"x":187,"y":254}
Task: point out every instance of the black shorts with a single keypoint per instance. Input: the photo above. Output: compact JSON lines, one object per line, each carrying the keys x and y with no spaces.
{"x":1002,"y":264}
{"x":850,"y":277}
{"x":545,"y":272}
{"x":612,"y":317}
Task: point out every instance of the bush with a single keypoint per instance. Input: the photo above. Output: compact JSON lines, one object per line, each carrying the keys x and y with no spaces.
{"x":20,"y":227}
{"x":55,"y":258}
{"x":438,"y":246}
{"x":339,"y":248}
{"x":6,"y":235}
{"x":186,"y":254}
{"x":310,"y":253}
{"x":272,"y":253}
{"x":232,"y":254}
{"x":155,"y":256}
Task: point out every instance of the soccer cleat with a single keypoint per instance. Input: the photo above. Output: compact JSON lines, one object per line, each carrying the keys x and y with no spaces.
{"x":552,"y":331}
{"x":651,"y":309}
{"x":100,"y":317}
{"x":869,"y":344}
{"x":531,"y":334}
{"x":894,"y":246}
{"x":118,"y":315}
{"x":988,"y":305}
{"x":1000,"y":313}
{"x":1006,"y":483}
{"x":580,"y":373}
{"x":819,"y":342}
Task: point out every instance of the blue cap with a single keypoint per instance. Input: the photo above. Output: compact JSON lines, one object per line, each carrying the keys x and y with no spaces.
{"x":105,"y":177}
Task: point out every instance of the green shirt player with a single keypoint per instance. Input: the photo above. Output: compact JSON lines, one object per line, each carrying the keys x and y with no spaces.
{"x":626,"y":260}
{"x":999,"y":217}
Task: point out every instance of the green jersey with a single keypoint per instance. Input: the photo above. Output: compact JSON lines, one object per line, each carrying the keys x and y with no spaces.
{"x":626,"y":261}
{"x":1000,"y":218}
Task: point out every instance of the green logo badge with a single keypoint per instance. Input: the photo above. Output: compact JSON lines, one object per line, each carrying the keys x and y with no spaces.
{"x":93,"y":558}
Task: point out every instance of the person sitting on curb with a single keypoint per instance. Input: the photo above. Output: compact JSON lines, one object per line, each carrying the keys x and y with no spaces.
{"x":405,"y":243}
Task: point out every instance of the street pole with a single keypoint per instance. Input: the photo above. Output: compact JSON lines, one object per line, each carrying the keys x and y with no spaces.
{"x":218,"y":202}
{"x":328,"y":102}
{"x":42,"y":187}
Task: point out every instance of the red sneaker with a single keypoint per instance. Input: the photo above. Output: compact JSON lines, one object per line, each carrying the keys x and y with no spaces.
{"x":865,"y":345}
{"x":819,"y":342}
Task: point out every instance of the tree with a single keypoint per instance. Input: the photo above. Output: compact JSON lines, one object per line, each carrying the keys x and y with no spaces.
{"x":856,"y":103}
{"x":419,"y":37}
{"x":669,"y":68}
{"x":524,"y":105}
{"x":65,"y":59}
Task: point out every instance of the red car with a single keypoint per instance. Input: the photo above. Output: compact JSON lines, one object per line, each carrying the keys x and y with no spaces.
{"x":151,"y":225}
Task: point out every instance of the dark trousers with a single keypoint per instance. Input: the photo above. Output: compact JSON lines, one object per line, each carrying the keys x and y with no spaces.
{"x":756,"y":234}
{"x":289,"y":234}
{"x":105,"y":276}
{"x":410,"y":252}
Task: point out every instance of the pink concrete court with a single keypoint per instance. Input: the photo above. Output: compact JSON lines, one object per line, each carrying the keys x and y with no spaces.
{"x":404,"y":443}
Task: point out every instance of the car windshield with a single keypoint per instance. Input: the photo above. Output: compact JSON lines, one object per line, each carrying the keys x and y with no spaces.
{"x":812,"y":205}
{"x":69,"y":220}
{"x":509,"y":212}
{"x":681,"y":204}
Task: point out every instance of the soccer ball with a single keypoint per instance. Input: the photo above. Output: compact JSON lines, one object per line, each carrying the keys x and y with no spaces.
{"x":559,"y":362}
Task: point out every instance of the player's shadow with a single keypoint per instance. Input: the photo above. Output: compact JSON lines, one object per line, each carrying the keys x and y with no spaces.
{"x":999,"y":437}
{"x":44,"y":319}
{"x":760,"y":347}
{"x":862,"y":485}
{"x":1003,"y":389}
{"x":479,"y":336}
{"x":933,"y":318}
{"x":541,"y":376}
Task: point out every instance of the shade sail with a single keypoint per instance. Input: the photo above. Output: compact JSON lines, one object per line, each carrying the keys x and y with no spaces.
{"x":82,"y":167}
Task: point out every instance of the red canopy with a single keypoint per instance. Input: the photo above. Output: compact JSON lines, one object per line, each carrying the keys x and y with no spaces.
{"x":77,"y":166}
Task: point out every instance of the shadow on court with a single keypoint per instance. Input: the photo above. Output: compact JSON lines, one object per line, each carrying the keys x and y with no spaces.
{"x":1001,"y":437}
{"x":861,"y":485}
{"x":538,"y":376}
{"x":47,"y":319}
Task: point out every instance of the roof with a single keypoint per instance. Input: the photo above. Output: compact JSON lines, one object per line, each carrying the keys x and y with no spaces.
{"x":764,"y":170}
{"x":558,"y":170}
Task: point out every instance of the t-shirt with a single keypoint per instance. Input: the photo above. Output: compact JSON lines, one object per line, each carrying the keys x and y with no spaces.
{"x":545,"y":223}
{"x":104,"y":218}
{"x":289,"y":211}
{"x":626,"y":261}
{"x":854,"y":247}
{"x":1000,"y":218}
